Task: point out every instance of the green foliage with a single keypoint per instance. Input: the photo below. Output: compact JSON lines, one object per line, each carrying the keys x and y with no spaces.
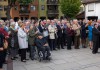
{"x":70,"y":8}
{"x":25,"y":2}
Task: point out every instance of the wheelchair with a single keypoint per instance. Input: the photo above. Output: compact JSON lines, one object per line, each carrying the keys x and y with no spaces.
{"x":41,"y":57}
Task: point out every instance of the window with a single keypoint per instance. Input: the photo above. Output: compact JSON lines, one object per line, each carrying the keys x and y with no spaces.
{"x":1,"y":8}
{"x":5,"y":8}
{"x":91,"y":7}
{"x":42,"y":7}
{"x":16,"y":8}
{"x":33,"y":8}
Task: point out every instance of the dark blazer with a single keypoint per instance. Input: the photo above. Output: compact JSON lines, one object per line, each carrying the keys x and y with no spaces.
{"x":83,"y":31}
{"x":13,"y":35}
{"x":40,"y":42}
{"x":32,"y":36}
{"x":40,"y":28}
{"x":96,"y":34}
{"x":59,"y":32}
{"x":1,"y":40}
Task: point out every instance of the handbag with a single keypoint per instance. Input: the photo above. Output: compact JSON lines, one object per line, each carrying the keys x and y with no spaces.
{"x":5,"y":44}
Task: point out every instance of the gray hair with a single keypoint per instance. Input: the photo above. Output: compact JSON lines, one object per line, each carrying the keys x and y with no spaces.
{"x":12,"y":23}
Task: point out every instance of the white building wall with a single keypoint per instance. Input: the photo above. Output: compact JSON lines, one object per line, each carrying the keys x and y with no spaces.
{"x":98,"y":10}
{"x":95,"y":12}
{"x":90,"y":13}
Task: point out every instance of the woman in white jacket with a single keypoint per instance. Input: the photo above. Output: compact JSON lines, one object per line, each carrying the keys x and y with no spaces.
{"x":52,"y":31}
{"x":23,"y":42}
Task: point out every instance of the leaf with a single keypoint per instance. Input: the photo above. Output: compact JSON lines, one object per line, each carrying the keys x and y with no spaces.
{"x":70,"y":7}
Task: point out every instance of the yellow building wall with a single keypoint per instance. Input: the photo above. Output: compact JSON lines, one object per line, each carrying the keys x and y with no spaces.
{"x":3,"y":3}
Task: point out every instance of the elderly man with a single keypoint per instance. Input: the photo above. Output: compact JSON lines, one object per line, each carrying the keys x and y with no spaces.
{"x":96,"y":34}
{"x":76,"y":28}
{"x":42,"y":45}
{"x":98,"y":21}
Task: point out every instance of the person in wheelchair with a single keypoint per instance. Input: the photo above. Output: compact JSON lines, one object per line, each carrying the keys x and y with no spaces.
{"x":42,"y":46}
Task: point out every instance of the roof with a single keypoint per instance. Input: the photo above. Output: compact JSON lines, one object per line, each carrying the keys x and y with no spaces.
{"x":89,"y":1}
{"x":81,"y":15}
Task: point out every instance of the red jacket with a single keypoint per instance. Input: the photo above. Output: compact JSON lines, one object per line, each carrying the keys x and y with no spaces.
{"x":70,"y":32}
{"x":4,"y":32}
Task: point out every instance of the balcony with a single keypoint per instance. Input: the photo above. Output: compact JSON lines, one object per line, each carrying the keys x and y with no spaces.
{"x":52,"y":2}
{"x":24,"y":12}
{"x":53,"y":12}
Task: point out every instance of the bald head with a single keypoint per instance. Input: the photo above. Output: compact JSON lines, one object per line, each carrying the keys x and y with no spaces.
{"x":98,"y":21}
{"x":75,"y":21}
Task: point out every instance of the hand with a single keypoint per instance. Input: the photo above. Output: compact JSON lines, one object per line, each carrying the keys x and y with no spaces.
{"x":7,"y":37}
{"x":36,"y":32}
{"x":1,"y":49}
{"x":9,"y":32}
{"x":86,"y":25}
{"x":46,"y":45}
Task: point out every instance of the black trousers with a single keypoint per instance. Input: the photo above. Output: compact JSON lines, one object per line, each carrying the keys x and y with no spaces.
{"x":2,"y":57}
{"x":95,"y":47}
{"x":64,"y":39}
{"x":60,"y":42}
{"x":69,"y":42}
{"x":23,"y":54}
{"x":52,"y":44}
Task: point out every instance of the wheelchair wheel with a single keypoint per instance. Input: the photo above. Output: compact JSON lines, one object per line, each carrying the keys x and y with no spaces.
{"x":40,"y":56}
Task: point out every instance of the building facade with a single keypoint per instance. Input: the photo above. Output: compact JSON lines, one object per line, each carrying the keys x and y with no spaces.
{"x":42,"y":9}
{"x":92,"y":11}
{"x":53,"y":9}
{"x":3,"y":6}
{"x":25,"y":11}
{"x":38,"y":9}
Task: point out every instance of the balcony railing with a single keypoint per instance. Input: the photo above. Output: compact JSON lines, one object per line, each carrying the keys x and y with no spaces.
{"x":53,"y":12}
{"x":52,"y":3}
{"x":24,"y":12}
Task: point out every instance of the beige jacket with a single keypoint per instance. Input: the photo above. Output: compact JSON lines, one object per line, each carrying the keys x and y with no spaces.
{"x":52,"y":31}
{"x":76,"y":28}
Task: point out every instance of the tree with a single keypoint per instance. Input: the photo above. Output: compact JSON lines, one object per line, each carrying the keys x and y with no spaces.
{"x":11,"y":3}
{"x":25,"y":2}
{"x":70,"y":8}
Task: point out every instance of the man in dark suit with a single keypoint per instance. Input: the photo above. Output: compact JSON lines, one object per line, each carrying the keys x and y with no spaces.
{"x":96,"y":34}
{"x":60,"y":36}
{"x":98,"y":21}
{"x":64,"y":27}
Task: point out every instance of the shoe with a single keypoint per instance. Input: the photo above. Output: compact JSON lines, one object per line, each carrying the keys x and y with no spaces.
{"x":93,"y":52}
{"x":55,"y":49}
{"x":68,"y":48}
{"x":62,"y":48}
{"x":77,"y":48}
{"x":15,"y":57}
{"x":32,"y":58}
{"x":23,"y":61}
{"x":12,"y":58}
{"x":26,"y":59}
{"x":83,"y":46}
{"x":44,"y":58}
{"x":48,"y":58}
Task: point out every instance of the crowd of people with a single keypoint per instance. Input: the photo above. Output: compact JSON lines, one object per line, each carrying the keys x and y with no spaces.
{"x":46,"y":35}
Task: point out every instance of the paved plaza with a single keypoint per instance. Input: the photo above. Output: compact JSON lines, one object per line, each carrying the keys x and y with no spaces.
{"x":81,"y":59}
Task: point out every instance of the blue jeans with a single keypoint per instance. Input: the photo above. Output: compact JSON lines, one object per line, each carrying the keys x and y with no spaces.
{"x":32,"y":52}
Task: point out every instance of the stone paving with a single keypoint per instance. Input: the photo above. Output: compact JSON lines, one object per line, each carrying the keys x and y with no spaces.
{"x":80,"y":59}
